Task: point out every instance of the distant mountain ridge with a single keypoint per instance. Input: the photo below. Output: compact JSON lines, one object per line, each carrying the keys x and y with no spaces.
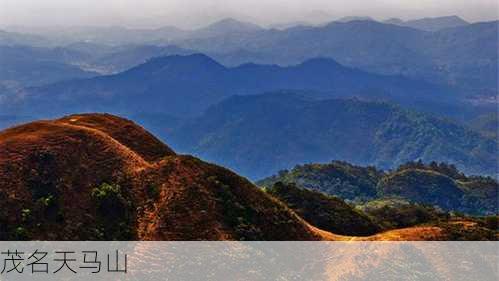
{"x":355,"y":18}
{"x":464,"y":56}
{"x":431,"y":24}
{"x":119,"y":35}
{"x":187,"y":85}
{"x":459,"y":55}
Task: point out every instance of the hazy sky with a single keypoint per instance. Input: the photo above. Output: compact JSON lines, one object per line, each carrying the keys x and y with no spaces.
{"x":188,"y":13}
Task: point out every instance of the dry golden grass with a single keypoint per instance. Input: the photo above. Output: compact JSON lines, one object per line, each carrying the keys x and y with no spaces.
{"x":71,"y":156}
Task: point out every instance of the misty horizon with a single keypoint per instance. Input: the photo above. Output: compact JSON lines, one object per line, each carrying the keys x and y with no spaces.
{"x":155,"y":14}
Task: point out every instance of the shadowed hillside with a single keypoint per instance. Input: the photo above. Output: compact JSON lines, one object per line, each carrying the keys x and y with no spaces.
{"x":326,"y":212}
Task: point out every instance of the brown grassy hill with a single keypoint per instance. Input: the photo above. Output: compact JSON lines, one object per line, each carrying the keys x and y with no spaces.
{"x":100,"y":177}
{"x":125,"y":132}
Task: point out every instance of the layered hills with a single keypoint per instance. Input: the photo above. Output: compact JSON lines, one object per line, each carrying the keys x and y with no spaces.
{"x":187,"y":85}
{"x":464,"y":55}
{"x":452,"y":52}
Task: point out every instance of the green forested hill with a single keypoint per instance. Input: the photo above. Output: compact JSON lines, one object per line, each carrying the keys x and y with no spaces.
{"x":439,"y":185}
{"x":259,"y":135}
{"x":326,"y":212}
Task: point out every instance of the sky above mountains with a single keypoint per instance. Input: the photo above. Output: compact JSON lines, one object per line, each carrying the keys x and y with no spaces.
{"x":195,"y":13}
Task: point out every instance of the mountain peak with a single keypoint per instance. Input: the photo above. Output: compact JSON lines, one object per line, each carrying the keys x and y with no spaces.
{"x":396,"y":21}
{"x":443,"y":19}
{"x":229,"y":25}
{"x":179,"y":61}
{"x":228,"y":21}
{"x":431,"y":23}
{"x":321,"y":62}
{"x":355,"y":18}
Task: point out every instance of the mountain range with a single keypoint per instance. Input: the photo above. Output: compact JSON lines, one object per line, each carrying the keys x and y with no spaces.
{"x":460,"y":55}
{"x":426,"y":24}
{"x":463,"y":56}
{"x":119,"y":36}
{"x":430,"y":24}
{"x":185,"y":86}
